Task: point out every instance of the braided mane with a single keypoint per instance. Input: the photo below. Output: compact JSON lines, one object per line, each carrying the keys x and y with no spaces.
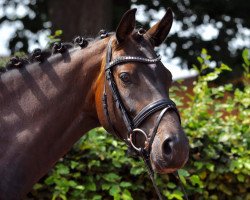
{"x":40,"y":56}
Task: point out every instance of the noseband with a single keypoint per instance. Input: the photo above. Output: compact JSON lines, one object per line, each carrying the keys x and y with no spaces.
{"x":132,"y":125}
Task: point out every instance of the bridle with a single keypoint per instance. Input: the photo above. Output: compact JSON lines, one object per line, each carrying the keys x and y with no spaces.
{"x":132,"y":125}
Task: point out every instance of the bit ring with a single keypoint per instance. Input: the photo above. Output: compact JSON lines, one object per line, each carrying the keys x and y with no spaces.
{"x":130,"y":139}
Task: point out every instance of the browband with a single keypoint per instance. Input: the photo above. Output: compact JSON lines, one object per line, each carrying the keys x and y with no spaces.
{"x":126,"y":59}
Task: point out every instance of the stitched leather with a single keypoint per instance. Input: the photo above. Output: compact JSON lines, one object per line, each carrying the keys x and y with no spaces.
{"x":150,"y":109}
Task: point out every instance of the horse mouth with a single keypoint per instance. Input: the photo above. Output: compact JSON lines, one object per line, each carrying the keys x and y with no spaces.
{"x":162,"y":167}
{"x":162,"y":170}
{"x":165,"y":171}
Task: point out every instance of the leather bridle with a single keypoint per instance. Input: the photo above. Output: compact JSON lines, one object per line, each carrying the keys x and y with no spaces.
{"x":132,"y":125}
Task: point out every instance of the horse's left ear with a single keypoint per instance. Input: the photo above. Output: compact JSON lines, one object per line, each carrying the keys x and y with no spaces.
{"x":126,"y":25}
{"x":158,"y":33}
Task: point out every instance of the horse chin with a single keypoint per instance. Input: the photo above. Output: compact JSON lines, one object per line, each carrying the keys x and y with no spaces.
{"x":158,"y":168}
{"x":166,"y":171}
{"x":162,"y":167}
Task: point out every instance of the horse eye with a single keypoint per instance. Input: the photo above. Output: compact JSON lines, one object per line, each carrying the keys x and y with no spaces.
{"x":125,"y":77}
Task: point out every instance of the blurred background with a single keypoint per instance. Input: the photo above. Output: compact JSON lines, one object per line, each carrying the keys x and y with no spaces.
{"x":220,"y":26}
{"x":208,"y":46}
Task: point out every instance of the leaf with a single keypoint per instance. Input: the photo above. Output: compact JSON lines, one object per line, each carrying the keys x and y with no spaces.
{"x":115,"y":189}
{"x":111,"y":177}
{"x":105,"y":186}
{"x":37,"y":186}
{"x":114,"y":143}
{"x":55,"y":196}
{"x":176,"y":194}
{"x":95,"y":163}
{"x":125,"y":184}
{"x":183,"y":172}
{"x":225,"y":189}
{"x":203,"y":175}
{"x":210,"y":167}
{"x":72,"y":183}
{"x":73,"y":164}
{"x":137,"y":170}
{"x":63,"y":197}
{"x":62,"y":169}
{"x":204,"y":51}
{"x":80,"y":187}
{"x":97,"y":197}
{"x":240,"y":177}
{"x":195,"y":179}
{"x":50,"y":180}
{"x":171,"y":185}
{"x":183,"y":180}
{"x":247,"y":165}
{"x":212,"y":186}
{"x":117,"y":197}
{"x":126,"y":195}
{"x":235,"y":164}
{"x":211,"y":76}
{"x":245,"y":56}
{"x":58,"y":33}
{"x":214,"y":197}
{"x":225,"y":67}
{"x":90,"y":186}
{"x":200,"y":59}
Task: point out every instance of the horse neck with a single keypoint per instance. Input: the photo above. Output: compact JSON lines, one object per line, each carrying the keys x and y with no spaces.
{"x":44,"y":110}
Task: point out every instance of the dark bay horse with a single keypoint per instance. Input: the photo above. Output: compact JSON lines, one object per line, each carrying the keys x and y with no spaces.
{"x":116,"y":81}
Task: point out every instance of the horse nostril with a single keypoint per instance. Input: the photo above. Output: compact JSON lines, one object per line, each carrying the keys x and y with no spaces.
{"x":167,"y":147}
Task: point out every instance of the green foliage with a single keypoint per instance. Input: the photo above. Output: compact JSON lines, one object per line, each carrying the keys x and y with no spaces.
{"x":217,"y":123}
{"x":3,"y":62}
{"x":55,"y":37}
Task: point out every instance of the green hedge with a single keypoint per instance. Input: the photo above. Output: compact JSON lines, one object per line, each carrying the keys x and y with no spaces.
{"x":219,"y":165}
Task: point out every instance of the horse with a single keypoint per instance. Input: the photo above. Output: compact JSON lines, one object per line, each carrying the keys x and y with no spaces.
{"x":116,"y":81}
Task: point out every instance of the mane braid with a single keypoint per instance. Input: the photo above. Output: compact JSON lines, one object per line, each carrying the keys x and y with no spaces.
{"x":38,"y":55}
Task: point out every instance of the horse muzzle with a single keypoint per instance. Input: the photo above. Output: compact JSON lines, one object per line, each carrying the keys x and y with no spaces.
{"x":169,"y":154}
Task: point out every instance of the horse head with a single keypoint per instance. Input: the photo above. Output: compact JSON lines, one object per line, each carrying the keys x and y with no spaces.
{"x":133,"y":95}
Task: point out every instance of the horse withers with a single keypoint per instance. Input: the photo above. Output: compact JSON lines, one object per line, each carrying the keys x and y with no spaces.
{"x":116,"y":81}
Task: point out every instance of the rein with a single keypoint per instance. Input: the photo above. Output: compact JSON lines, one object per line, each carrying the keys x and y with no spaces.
{"x":132,"y":125}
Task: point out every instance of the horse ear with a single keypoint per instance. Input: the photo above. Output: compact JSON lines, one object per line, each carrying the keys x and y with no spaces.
{"x":126,"y":25}
{"x":158,"y":33}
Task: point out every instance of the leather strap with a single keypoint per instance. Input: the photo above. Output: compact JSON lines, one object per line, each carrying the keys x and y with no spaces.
{"x":150,"y":109}
{"x":127,"y":59}
{"x":116,"y":95}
